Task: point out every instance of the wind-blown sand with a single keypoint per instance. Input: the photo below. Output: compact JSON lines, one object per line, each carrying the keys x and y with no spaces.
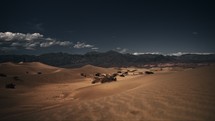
{"x":62,"y":94}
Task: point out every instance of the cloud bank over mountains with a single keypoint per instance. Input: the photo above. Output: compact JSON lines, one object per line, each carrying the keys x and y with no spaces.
{"x":171,"y":54}
{"x":12,"y":41}
{"x":121,"y":50}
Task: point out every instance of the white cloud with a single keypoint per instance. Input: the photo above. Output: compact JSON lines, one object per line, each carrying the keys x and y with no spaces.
{"x":29,"y":41}
{"x":46,"y":44}
{"x":177,"y":54}
{"x":49,"y":39}
{"x":33,"y":36}
{"x":63,"y":43}
{"x":171,"y":54}
{"x":121,"y":50}
{"x":9,"y":36}
{"x":142,"y":53}
{"x":183,"y":53}
{"x":82,"y":45}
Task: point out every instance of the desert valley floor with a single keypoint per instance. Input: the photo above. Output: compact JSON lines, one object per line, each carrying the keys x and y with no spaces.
{"x":44,"y":92}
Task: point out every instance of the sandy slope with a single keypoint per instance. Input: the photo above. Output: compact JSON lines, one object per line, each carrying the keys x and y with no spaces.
{"x":28,"y":73}
{"x":184,"y":95}
{"x":90,"y":70}
{"x":25,"y":68}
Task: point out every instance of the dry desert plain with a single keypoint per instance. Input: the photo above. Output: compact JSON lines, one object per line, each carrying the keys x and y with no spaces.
{"x":43,"y":92}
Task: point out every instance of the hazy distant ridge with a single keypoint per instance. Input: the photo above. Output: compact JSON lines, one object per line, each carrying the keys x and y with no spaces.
{"x":108,"y":59}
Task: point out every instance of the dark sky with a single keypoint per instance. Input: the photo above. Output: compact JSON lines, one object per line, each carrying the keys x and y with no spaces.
{"x":126,"y":26}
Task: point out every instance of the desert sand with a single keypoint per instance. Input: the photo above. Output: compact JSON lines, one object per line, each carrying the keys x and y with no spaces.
{"x":64,"y":95}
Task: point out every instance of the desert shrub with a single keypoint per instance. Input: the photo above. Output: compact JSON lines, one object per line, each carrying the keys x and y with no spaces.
{"x":149,"y":72}
{"x":108,"y":79}
{"x":115,"y":74}
{"x":10,"y":86}
{"x":16,"y":78}
{"x":3,"y":75}
{"x":98,"y":74}
{"x":132,"y":70}
{"x":122,"y":75}
{"x":104,"y":79}
{"x":96,"y":79}
{"x":83,"y":74}
{"x":125,"y":73}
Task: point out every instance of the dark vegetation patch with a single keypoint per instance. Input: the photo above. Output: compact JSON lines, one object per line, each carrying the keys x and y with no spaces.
{"x":104,"y":78}
{"x":83,"y":74}
{"x":3,"y":75}
{"x":16,"y":78}
{"x":149,"y":72}
{"x":10,"y":86}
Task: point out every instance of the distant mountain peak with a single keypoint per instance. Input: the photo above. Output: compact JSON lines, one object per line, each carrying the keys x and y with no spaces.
{"x":112,"y":52}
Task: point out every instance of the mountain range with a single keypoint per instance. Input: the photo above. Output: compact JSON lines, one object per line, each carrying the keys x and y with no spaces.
{"x":108,"y":59}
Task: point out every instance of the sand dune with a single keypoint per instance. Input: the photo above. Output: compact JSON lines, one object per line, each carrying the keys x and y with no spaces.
{"x":90,"y":70}
{"x":33,"y":73}
{"x":25,"y":68}
{"x":169,"y":95}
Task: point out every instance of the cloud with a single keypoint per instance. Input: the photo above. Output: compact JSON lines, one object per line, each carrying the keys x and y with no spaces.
{"x":54,"y":42}
{"x":79,"y":45}
{"x":46,"y":44}
{"x":31,"y":46}
{"x":124,"y":50}
{"x":121,"y":50}
{"x":184,"y":53}
{"x":171,"y":54}
{"x":142,"y":53}
{"x":28,"y":41}
{"x":9,"y":36}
